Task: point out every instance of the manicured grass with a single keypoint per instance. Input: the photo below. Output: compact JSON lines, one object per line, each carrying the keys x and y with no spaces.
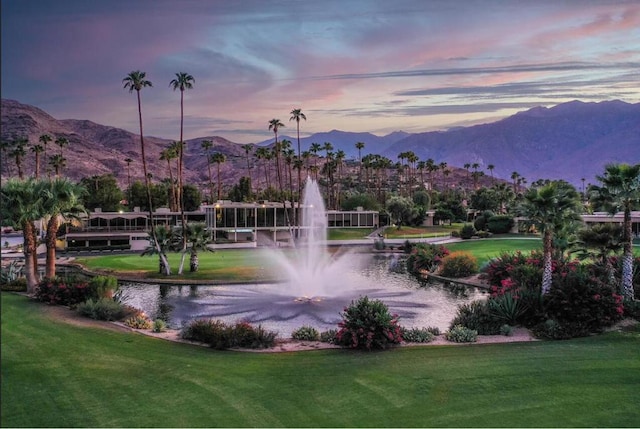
{"x":348,"y":233}
{"x":420,"y":232}
{"x":488,"y":248}
{"x":55,"y":374}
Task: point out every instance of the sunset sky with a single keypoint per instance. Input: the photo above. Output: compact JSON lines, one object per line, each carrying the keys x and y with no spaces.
{"x":352,"y":65}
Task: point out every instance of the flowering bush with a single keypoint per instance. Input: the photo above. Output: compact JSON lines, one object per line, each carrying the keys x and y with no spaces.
{"x":139,"y":322}
{"x":61,"y":291}
{"x":222,"y":336}
{"x":425,"y":257}
{"x":368,"y":325}
{"x":459,"y":264}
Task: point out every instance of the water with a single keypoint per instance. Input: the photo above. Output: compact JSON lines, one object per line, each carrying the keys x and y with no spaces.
{"x":319,"y":284}
{"x":274,"y":307}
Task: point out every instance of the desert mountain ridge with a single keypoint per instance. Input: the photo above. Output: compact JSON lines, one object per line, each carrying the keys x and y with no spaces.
{"x":569,"y":141}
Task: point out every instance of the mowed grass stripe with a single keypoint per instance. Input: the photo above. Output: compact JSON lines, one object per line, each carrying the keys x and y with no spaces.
{"x":78,"y":376}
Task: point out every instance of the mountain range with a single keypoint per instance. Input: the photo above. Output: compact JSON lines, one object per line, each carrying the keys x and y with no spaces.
{"x":570,"y":141}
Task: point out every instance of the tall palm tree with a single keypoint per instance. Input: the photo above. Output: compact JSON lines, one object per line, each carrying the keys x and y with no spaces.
{"x":21,"y":206}
{"x":314,"y":149}
{"x":136,"y":81}
{"x":218,"y":158}
{"x":360,"y":146}
{"x":45,"y":139}
{"x":62,"y":202}
{"x":37,"y":150}
{"x":263,"y":153}
{"x":58,"y":162}
{"x":18,"y":153}
{"x":274,"y":125}
{"x":128,"y":161}
{"x":182,"y":81}
{"x":167,"y":155}
{"x":62,"y":142}
{"x":620,"y":191}
{"x":491,"y":167}
{"x":247,"y":151}
{"x":206,"y":145}
{"x":296,"y":115}
{"x":550,"y":208}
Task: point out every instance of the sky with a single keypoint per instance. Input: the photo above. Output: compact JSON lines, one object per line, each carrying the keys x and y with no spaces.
{"x":354,"y":65}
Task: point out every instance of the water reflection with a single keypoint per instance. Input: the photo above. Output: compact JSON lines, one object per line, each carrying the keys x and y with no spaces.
{"x":383,"y":277}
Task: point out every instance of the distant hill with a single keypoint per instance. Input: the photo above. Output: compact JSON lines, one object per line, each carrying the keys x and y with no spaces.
{"x":570,"y":141}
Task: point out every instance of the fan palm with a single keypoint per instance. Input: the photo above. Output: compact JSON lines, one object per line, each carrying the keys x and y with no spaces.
{"x":136,"y":81}
{"x":297,"y":115}
{"x":218,"y":158}
{"x":198,"y":239}
{"x":161,"y":240}
{"x":620,"y":191}
{"x":550,"y":208}
{"x":274,"y":125}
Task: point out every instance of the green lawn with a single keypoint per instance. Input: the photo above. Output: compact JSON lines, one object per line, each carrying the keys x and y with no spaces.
{"x":489,"y":248}
{"x":55,"y":374}
{"x":348,"y":233}
{"x":420,"y":232}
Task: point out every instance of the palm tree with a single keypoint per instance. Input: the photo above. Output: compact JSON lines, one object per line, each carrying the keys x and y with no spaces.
{"x":37,"y":150}
{"x":61,"y":203}
{"x":161,"y":240}
{"x":247,"y":151}
{"x":274,"y":125}
{"x":296,"y":114}
{"x":599,"y":242}
{"x":167,"y":155}
{"x":620,"y":191}
{"x":5,"y":145}
{"x":264,"y":154}
{"x":21,"y":206}
{"x":18,"y":153}
{"x":135,"y":81}
{"x":197,"y":238}
{"x":218,"y":158}
{"x":206,"y":146}
{"x":550,"y":208}
{"x":58,"y":162}
{"x":129,"y":161}
{"x":62,"y":142}
{"x":183,"y":81}
{"x":491,"y":167}
{"x":45,"y":139}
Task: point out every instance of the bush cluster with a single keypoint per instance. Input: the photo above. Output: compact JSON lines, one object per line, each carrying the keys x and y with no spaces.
{"x":425,"y":257}
{"x":139,"y":321}
{"x":461,"y":334}
{"x":219,"y":335}
{"x":103,"y":309}
{"x":367,"y":324}
{"x":306,"y":333}
{"x":467,"y":231}
{"x":329,"y":336}
{"x":459,"y":264}
{"x":70,"y":292}
{"x":417,"y":335}
{"x":477,"y":316}
{"x":500,"y":224}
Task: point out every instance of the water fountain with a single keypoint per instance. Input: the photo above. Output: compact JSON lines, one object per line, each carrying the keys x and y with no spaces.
{"x":319,"y":284}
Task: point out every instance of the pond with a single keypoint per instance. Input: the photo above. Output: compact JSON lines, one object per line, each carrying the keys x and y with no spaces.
{"x":276,"y":307}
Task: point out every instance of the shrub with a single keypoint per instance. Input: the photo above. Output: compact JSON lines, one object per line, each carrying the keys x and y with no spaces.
{"x":60,"y":291}
{"x":307,"y":333}
{"x":103,"y":286}
{"x":425,"y":257}
{"x":508,"y":308}
{"x":461,"y":334}
{"x":102,"y":309}
{"x":417,"y":335}
{"x":368,"y":325}
{"x":582,"y":303}
{"x":467,"y":231}
{"x":500,"y":224}
{"x":138,"y":322}
{"x":159,"y":325}
{"x":329,"y":336}
{"x":17,"y":285}
{"x":477,"y":316}
{"x":550,"y":329}
{"x":459,"y":264}
{"x":506,"y":330}
{"x":455,"y":233}
{"x":483,"y":234}
{"x":632,"y":309}
{"x":221,"y":336}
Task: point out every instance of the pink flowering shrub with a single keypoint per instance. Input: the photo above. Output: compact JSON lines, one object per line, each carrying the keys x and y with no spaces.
{"x":61,"y":291}
{"x":425,"y":257}
{"x":367,"y":324}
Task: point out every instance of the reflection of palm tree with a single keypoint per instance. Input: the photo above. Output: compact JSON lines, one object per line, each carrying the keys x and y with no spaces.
{"x":550,"y":208}
{"x":135,"y":81}
{"x":621,"y":191}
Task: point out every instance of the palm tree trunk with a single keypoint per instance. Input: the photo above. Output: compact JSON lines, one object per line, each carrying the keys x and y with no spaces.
{"x":52,"y":231}
{"x":30,"y":250}
{"x":547,"y":272}
{"x":627,"y":258}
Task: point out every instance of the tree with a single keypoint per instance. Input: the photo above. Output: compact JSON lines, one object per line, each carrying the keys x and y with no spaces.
{"x":264,"y":154}
{"x":21,"y":207}
{"x":167,"y":155}
{"x":103,"y":192}
{"x":160,"y":242}
{"x":58,"y":162}
{"x":206,"y":146}
{"x":192,"y":198}
{"x":296,"y":115}
{"x":491,"y":167}
{"x":274,"y":125}
{"x":197,"y":240}
{"x":128,"y":161}
{"x":360,"y":146}
{"x":549,"y":209}
{"x":62,"y":142}
{"x":18,"y":153}
{"x":600,"y":241}
{"x":247,"y":151}
{"x":218,"y":158}
{"x":37,"y":150}
{"x":620,"y":191}
{"x":62,"y":202}
{"x":400,"y":209}
{"x":45,"y":139}
{"x":135,"y":81}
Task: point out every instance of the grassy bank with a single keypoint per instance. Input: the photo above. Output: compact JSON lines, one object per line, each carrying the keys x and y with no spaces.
{"x":55,"y":374}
